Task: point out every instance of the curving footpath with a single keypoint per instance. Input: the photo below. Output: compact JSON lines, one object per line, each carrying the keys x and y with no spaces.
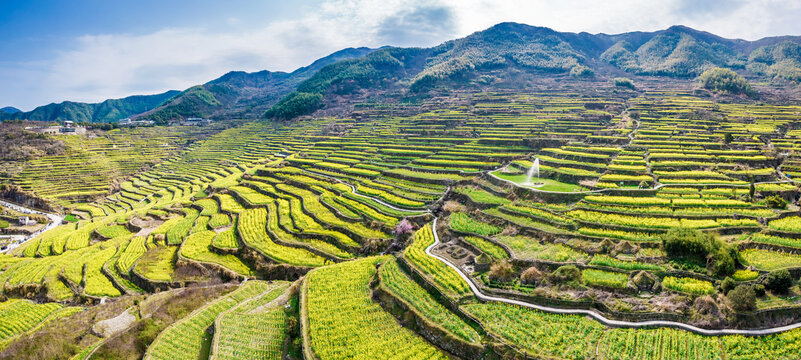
{"x":55,"y":220}
{"x":597,"y":316}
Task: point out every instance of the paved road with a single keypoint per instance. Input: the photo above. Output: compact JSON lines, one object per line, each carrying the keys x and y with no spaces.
{"x":55,"y":220}
{"x":597,"y":316}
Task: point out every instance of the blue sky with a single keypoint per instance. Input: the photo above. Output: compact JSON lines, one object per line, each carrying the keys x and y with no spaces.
{"x":35,"y":28}
{"x":53,"y":51}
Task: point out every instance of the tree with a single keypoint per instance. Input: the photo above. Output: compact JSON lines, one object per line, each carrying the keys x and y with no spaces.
{"x":759,"y":289}
{"x":727,"y":285}
{"x":775,"y":202}
{"x":728,"y":138}
{"x":720,"y":258}
{"x":566,"y":273}
{"x":778,"y":281}
{"x":624,"y":83}
{"x":501,"y":271}
{"x":582,"y":71}
{"x":725,"y":80}
{"x":530,"y":276}
{"x":404,"y":227}
{"x":742,"y":298}
{"x":751,"y":190}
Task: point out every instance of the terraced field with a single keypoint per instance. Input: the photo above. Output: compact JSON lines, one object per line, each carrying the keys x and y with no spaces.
{"x":344,"y":204}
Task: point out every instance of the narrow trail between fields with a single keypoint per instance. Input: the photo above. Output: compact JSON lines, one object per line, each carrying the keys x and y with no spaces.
{"x":597,"y":316}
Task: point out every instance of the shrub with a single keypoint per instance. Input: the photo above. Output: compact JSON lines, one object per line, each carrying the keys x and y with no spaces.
{"x":759,"y":289}
{"x":582,"y":71}
{"x":404,"y":227}
{"x":685,"y":242}
{"x":530,"y":276}
{"x":727,"y":285}
{"x":742,"y":298}
{"x":501,"y":271}
{"x":728,"y":138}
{"x":702,"y":247}
{"x":775,"y":202}
{"x":624,"y":83}
{"x":724,"y":80}
{"x":723,"y":260}
{"x":778,"y":281}
{"x":566,"y":273}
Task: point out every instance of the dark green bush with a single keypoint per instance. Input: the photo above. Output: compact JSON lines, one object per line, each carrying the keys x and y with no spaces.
{"x":582,"y":71}
{"x":759,"y":289}
{"x":727,"y":285}
{"x":624,"y":83}
{"x":778,"y":281}
{"x":566,"y":273}
{"x":728,"y":138}
{"x":725,"y":80}
{"x":698,"y":246}
{"x":742,"y":298}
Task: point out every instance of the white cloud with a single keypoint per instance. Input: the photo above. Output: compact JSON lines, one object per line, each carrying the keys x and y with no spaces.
{"x":100,"y":66}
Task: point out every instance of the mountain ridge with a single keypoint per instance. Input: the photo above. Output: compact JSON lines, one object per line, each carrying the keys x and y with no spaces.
{"x":518,"y":54}
{"x":500,"y":52}
{"x":110,"y":110}
{"x":242,"y":94}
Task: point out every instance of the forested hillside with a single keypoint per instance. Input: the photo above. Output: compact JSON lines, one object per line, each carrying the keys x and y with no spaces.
{"x":111,"y":110}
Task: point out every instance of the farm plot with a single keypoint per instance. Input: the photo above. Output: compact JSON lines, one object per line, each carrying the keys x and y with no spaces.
{"x":344,"y":323}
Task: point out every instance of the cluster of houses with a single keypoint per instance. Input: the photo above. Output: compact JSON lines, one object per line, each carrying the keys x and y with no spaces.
{"x":70,"y":128}
{"x":189,"y":121}
{"x":26,"y":221}
{"x":194,"y":121}
{"x":132,"y":123}
{"x":66,"y":128}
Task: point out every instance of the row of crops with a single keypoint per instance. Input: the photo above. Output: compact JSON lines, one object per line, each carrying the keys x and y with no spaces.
{"x":268,"y":200}
{"x":531,"y":332}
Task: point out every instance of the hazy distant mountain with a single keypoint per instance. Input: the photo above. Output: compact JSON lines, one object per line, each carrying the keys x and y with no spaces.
{"x":10,"y":110}
{"x":111,"y":110}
